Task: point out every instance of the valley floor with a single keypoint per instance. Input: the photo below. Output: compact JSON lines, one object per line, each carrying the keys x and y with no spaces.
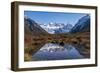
{"x":34,"y":42}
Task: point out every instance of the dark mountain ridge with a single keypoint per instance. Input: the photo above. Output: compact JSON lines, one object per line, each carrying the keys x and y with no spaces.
{"x":32,"y":27}
{"x":83,"y":25}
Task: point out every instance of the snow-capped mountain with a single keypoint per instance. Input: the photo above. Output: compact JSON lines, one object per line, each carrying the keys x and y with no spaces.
{"x":56,"y":28}
{"x":32,"y":26}
{"x":65,"y":29}
{"x":83,"y":25}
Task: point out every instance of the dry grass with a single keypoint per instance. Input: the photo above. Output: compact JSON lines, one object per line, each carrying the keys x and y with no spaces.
{"x":34,"y":42}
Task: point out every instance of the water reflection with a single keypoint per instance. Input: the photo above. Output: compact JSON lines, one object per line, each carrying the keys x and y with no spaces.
{"x":51,"y":51}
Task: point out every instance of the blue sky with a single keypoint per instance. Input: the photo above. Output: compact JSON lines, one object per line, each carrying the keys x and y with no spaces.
{"x":58,"y":17}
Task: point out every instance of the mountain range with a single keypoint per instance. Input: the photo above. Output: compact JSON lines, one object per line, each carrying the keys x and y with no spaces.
{"x":56,"y":28}
{"x":82,"y":25}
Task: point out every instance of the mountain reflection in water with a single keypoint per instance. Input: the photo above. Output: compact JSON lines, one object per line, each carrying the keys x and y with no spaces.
{"x":51,"y":51}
